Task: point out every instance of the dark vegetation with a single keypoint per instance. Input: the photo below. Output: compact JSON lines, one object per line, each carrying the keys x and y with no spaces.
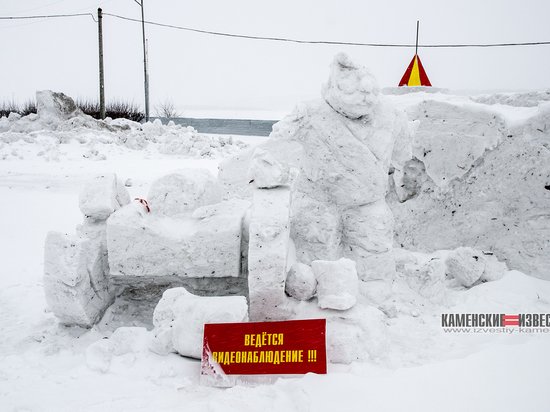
{"x":114,"y":109}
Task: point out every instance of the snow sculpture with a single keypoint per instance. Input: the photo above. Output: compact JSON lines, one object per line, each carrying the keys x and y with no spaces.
{"x":343,"y":147}
{"x":337,"y":283}
{"x":180,"y":316}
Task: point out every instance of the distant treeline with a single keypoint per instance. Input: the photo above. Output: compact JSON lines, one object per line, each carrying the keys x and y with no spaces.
{"x":114,"y":109}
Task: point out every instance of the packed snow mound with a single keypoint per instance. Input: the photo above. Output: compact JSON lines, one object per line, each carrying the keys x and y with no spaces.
{"x":450,"y":139}
{"x":351,"y":90}
{"x":56,"y":105}
{"x":498,"y":203}
{"x":59,"y":122}
{"x":526,"y":99}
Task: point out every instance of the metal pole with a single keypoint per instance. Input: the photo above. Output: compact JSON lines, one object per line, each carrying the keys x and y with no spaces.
{"x":101,"y":71}
{"x":145,"y":75}
{"x":416,"y":49}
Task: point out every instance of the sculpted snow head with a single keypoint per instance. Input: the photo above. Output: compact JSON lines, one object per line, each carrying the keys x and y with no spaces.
{"x":351,"y":90}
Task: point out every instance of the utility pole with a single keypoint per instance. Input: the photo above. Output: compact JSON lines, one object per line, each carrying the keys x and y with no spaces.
{"x":416,"y":49}
{"x":101,"y":72}
{"x":145,"y":75}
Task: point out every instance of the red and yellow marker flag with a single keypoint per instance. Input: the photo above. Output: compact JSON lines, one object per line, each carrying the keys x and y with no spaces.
{"x":415,"y":75}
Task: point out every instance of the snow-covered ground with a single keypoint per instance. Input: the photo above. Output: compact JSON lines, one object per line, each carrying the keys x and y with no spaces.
{"x":413,"y":365}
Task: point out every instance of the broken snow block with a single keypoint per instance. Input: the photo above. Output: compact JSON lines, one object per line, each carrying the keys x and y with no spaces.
{"x":147,"y":245}
{"x":427,"y":279}
{"x":300,"y":282}
{"x":337,"y":283}
{"x":266,"y":172}
{"x":466,"y":265}
{"x":267,"y":253}
{"x":101,"y":196}
{"x":55,"y":105}
{"x":181,"y":192}
{"x":75,"y":278}
{"x":180,"y":316}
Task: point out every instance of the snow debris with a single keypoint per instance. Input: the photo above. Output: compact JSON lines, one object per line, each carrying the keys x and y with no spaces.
{"x":465,"y":265}
{"x":179,"y":193}
{"x":52,"y":106}
{"x":266,"y":172}
{"x":267,"y":253}
{"x":180,"y":316}
{"x":101,"y":196}
{"x":300,"y":282}
{"x":124,"y":341}
{"x":337,"y":283}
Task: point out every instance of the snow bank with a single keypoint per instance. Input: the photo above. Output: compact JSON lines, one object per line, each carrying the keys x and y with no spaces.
{"x":59,"y":123}
{"x":526,"y":99}
{"x":180,"y":316}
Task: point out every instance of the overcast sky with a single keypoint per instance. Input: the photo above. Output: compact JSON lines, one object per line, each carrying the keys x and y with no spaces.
{"x":197,"y":71}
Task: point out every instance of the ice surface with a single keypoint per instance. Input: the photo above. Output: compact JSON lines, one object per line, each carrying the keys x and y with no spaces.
{"x":181,"y":192}
{"x":180,"y":317}
{"x":337,"y":283}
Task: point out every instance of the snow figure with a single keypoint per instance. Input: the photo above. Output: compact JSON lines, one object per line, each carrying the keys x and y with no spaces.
{"x":343,"y":147}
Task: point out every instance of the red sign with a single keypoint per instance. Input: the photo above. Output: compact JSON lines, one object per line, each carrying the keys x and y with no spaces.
{"x":259,"y":348}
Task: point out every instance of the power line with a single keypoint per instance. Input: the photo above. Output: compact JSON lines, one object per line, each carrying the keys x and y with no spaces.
{"x":339,"y":43}
{"x":281,"y":39}
{"x":47,"y":16}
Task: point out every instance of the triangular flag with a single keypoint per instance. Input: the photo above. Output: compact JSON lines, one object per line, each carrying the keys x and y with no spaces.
{"x":415,"y":75}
